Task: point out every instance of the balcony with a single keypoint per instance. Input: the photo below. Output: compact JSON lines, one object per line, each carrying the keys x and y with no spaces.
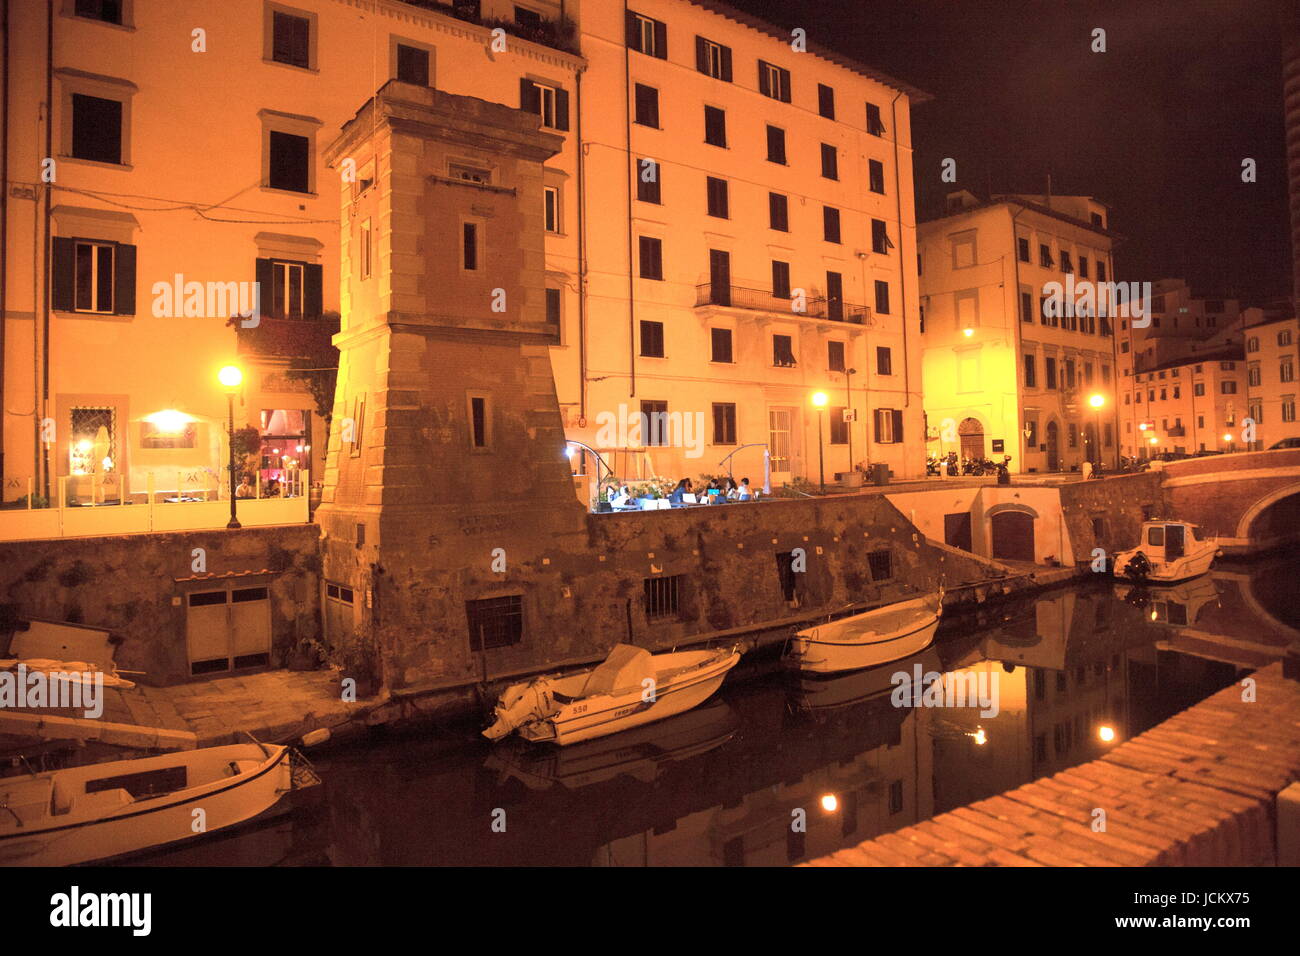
{"x":287,"y":339}
{"x":559,"y":35}
{"x":1177,"y":431}
{"x":759,"y":300}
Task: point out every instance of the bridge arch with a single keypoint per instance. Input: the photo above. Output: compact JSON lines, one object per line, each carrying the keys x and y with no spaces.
{"x":1263,"y":504}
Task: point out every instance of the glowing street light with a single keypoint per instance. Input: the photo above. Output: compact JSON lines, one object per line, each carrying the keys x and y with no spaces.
{"x":1106,"y":733}
{"x":231,"y":377}
{"x":968,"y":332}
{"x":830,"y":803}
{"x":1097,"y":400}
{"x":819,"y":401}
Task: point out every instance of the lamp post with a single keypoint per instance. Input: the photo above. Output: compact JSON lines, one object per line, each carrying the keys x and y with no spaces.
{"x":1097,"y":400}
{"x":848,"y":390}
{"x":230,"y":378}
{"x":819,"y":400}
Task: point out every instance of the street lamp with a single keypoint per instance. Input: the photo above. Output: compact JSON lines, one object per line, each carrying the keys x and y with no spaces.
{"x":848,"y":390}
{"x":230,"y":378}
{"x":819,"y":400}
{"x":1097,"y":400}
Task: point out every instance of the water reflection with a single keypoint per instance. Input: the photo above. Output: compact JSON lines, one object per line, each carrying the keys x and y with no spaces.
{"x":1076,"y":672}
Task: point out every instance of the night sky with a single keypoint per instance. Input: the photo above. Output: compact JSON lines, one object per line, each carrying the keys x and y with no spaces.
{"x":1156,"y":127}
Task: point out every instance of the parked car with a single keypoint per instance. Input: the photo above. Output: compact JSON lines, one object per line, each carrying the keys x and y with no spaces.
{"x":1285,"y":443}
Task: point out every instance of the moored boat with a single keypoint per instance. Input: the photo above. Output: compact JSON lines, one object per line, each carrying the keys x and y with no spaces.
{"x":1168,"y":551}
{"x":105,"y":810}
{"x":632,"y":687}
{"x":877,"y":636}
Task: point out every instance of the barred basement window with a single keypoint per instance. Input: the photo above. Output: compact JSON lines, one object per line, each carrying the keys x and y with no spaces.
{"x":495,"y":622}
{"x":663,"y":597}
{"x":896,"y":797}
{"x":881,"y":564}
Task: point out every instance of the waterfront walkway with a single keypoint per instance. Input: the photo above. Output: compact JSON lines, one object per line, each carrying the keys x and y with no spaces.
{"x":1199,"y":789}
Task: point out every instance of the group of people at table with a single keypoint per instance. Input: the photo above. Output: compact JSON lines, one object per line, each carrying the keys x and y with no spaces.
{"x":718,"y":491}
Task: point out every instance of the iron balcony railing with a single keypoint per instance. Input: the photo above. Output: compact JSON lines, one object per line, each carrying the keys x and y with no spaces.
{"x":760,"y":300}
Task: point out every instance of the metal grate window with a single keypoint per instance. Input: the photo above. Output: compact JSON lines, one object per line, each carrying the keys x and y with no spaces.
{"x":663,"y":597}
{"x":495,"y":622}
{"x":93,"y":441}
{"x":881,"y":564}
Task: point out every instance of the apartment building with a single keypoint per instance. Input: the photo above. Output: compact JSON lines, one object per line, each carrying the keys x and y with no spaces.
{"x":1271,"y":361}
{"x":182,"y":164}
{"x":1181,"y":325}
{"x":1008,"y":369}
{"x":1185,"y":406}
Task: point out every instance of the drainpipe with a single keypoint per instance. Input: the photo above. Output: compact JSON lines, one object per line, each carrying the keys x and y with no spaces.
{"x":631,"y":161}
{"x":902,"y":271}
{"x":1019,"y":340}
{"x":43,"y":409}
{"x":4,"y":234}
{"x":582,"y":257}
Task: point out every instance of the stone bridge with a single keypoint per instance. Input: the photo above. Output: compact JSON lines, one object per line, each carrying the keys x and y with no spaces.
{"x":1249,"y":500}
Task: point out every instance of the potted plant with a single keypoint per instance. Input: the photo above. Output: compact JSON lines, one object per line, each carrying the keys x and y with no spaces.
{"x":357,"y":658}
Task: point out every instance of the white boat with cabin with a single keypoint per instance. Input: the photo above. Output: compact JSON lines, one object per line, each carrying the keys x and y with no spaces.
{"x":632,"y":687}
{"x":877,"y":636}
{"x":105,"y":810}
{"x":1168,"y":551}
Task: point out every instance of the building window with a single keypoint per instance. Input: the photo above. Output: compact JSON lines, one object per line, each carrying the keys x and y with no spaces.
{"x":1284,"y":337}
{"x":1288,"y":408}
{"x":835,"y":296}
{"x":647,"y":181}
{"x":109,"y":11}
{"x":647,"y":36}
{"x":780,"y":279}
{"x":1022,"y":249}
{"x":1252,"y":344}
{"x":495,"y":622}
{"x":469,"y":246}
{"x":876,"y":176}
{"x":1253,"y":374}
{"x":480,"y":424}
{"x":776,"y":145}
{"x":412,"y":65}
{"x":830,"y":224}
{"x":882,"y":297}
{"x":839,"y":426}
{"x":652,"y":258}
{"x":290,"y":289}
{"x":528,"y":18}
{"x":86,"y":283}
{"x":552,"y":208}
{"x":1049,"y":369}
{"x":1045,"y":256}
{"x":783,"y":351}
{"x":835,"y":356}
{"x":713,"y":59}
{"x":830,"y":162}
{"x":655,"y":415}
{"x":875,"y":125}
{"x":1198,"y":390}
{"x":778,"y":212}
{"x":290,"y":165}
{"x":364,"y":251}
{"x":773,"y":81}
{"x":1228,"y":388}
{"x":549,"y":102}
{"x":825,"y":101}
{"x":1101,"y":271}
{"x":1066,"y":264}
{"x":647,"y":106}
{"x":1027,"y":307}
{"x":93,"y":439}
{"x":880,"y":241}
{"x":554,"y":303}
{"x":884,"y":360}
{"x":717,"y":197}
{"x":1286,"y":370}
{"x":724,"y":423}
{"x":881,"y":564}
{"x":1031,"y":372}
{"x":888,"y":426}
{"x":715,"y":126}
{"x":291,"y":39}
{"x":663,"y":597}
{"x":652,"y":339}
{"x":720,"y":339}
{"x":1083,"y":267}
{"x":96,"y":129}
{"x":339,"y":592}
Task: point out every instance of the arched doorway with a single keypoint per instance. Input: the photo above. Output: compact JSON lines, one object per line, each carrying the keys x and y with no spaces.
{"x":971,"y":433}
{"x":1013,"y":535}
{"x":1053,"y":446}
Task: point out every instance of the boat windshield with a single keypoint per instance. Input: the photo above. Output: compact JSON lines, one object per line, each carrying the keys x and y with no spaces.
{"x":1197,"y":533}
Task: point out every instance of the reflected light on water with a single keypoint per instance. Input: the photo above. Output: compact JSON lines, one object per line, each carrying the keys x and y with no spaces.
{"x":980,"y":737}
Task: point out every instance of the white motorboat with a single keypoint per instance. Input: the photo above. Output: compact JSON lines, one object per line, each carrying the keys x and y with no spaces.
{"x":632,"y":687}
{"x":1168,"y":551}
{"x":105,"y":810}
{"x":874,"y":637}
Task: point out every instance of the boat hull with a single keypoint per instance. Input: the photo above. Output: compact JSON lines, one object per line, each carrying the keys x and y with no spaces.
{"x":152,"y":822}
{"x":1168,"y":572}
{"x":831,"y":657}
{"x":590,"y":718}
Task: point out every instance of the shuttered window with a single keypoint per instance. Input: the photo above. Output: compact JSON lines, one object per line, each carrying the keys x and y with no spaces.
{"x":91,"y":275}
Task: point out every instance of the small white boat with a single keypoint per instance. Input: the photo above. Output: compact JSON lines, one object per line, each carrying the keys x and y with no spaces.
{"x":1169,"y":551}
{"x":874,"y":637}
{"x":632,"y":687}
{"x":106,"y":810}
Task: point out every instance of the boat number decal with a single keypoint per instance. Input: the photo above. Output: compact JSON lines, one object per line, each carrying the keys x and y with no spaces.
{"x":579,"y":709}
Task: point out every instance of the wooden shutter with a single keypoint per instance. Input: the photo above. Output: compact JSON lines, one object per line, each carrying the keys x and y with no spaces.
{"x":701,"y":55}
{"x":265,"y":275}
{"x":62,"y":273}
{"x":763,"y":86}
{"x":633,"y":32}
{"x":661,"y":39}
{"x":898,"y":424}
{"x":312,"y":291}
{"x":530,"y":97}
{"x":875,"y":421}
{"x":124,"y":279}
{"x":562,"y":109}
{"x":726,"y":63}
{"x":785,"y":85}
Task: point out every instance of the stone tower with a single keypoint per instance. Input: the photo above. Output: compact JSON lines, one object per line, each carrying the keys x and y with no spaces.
{"x":446,"y":456}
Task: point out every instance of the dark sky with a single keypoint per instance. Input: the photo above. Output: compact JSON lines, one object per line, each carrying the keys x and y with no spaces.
{"x":1156,"y":127}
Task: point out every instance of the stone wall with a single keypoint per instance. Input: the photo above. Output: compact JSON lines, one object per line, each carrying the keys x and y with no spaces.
{"x":1108,"y":514}
{"x":135,"y":587}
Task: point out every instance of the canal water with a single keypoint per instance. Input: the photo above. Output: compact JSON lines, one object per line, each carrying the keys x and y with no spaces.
{"x":1075,"y":670}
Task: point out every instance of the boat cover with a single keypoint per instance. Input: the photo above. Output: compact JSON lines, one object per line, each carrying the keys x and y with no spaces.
{"x":626,"y":667}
